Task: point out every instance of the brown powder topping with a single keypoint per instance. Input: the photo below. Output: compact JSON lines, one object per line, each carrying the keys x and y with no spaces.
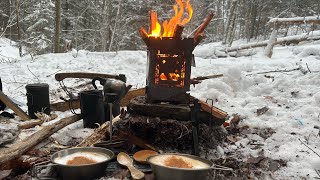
{"x":80,"y":160}
{"x":177,"y":162}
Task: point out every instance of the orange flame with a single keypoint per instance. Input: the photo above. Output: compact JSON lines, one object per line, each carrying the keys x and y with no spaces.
{"x":169,"y":26}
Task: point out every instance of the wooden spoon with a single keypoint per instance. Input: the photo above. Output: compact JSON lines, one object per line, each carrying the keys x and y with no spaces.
{"x":125,"y":160}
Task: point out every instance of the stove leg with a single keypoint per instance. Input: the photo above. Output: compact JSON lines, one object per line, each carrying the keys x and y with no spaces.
{"x":195,"y":109}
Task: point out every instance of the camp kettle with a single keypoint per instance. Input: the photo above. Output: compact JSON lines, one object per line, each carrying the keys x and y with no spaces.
{"x":114,"y":87}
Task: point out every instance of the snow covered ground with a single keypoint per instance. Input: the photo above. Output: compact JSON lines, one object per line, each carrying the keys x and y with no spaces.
{"x":292,"y":98}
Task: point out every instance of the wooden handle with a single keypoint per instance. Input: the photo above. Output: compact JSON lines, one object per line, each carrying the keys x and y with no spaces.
{"x":135,"y":173}
{"x":62,"y":76}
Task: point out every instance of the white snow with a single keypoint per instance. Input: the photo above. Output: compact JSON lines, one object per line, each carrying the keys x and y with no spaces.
{"x":293,"y":98}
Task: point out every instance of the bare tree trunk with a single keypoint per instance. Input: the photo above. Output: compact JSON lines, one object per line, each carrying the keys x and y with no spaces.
{"x":231,"y":23}
{"x":58,"y":27}
{"x":18,"y":26}
{"x":271,"y":43}
{"x":106,"y":33}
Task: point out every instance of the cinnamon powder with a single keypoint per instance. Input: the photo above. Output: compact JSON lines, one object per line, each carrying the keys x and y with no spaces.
{"x":80,"y":160}
{"x":177,"y":162}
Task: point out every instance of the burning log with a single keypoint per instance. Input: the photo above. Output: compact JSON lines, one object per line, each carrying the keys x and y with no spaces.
{"x":144,"y":35}
{"x":203,"y":26}
{"x":153,"y":20}
{"x":178,"y":31}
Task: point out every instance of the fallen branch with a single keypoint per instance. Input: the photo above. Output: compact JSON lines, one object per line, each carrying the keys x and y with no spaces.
{"x":21,"y":147}
{"x":315,"y":35}
{"x":310,"y":148}
{"x":296,"y":20}
{"x":283,"y":70}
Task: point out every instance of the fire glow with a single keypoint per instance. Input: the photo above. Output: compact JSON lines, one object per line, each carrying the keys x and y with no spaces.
{"x":168,"y":27}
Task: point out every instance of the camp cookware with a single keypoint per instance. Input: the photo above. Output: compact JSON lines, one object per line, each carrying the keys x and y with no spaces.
{"x":164,"y":172}
{"x":125,"y":160}
{"x":111,"y":86}
{"x":84,"y":172}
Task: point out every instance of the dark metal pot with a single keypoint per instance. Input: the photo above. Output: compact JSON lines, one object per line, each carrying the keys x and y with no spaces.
{"x":172,"y":173}
{"x":82,"y":172}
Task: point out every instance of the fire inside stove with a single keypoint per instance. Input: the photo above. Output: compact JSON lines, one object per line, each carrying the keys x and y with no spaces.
{"x":170,"y":70}
{"x":170,"y":55}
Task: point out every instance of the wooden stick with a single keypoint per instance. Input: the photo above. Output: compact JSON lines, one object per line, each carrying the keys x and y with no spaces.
{"x":198,"y":39}
{"x":215,"y":112}
{"x":132,"y":94}
{"x":144,"y":35}
{"x":178,"y":31}
{"x":30,"y":124}
{"x":7,"y":101}
{"x":198,"y":80}
{"x":136,"y":140}
{"x":204,"y":25}
{"x":21,"y":147}
{"x":97,"y":136}
{"x":153,"y":20}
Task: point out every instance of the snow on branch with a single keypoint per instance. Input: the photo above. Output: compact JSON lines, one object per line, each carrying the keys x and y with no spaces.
{"x":296,"y":20}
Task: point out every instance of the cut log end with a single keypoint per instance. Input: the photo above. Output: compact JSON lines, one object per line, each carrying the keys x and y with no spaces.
{"x":178,"y":31}
{"x":144,"y":35}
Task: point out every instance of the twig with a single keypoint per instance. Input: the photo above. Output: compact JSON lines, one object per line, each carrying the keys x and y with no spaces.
{"x":308,"y":67}
{"x":309,"y":148}
{"x":33,"y":74}
{"x":53,"y":73}
{"x":283,"y":70}
{"x":317,"y":172}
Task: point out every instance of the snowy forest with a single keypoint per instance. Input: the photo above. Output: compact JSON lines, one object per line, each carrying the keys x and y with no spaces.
{"x":110,"y":25}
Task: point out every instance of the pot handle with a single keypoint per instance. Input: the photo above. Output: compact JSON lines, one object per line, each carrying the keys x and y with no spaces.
{"x":36,"y":170}
{"x":218,"y":167}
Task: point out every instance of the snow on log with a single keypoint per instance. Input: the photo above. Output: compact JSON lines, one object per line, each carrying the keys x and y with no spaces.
{"x":295,"y":20}
{"x":313,"y":35}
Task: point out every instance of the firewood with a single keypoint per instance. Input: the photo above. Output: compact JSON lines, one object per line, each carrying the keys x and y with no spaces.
{"x":65,"y":106}
{"x":132,"y":94}
{"x":178,"y":31}
{"x":198,"y":39}
{"x":8,"y":102}
{"x":153,"y":20}
{"x":215,"y":112}
{"x":97,"y":136}
{"x":19,"y":148}
{"x":136,"y":140}
{"x":144,"y":35}
{"x":203,"y":25}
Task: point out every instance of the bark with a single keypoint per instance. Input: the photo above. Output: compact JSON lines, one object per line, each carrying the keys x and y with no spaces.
{"x":21,"y":147}
{"x":57,"y":27}
{"x":230,"y":23}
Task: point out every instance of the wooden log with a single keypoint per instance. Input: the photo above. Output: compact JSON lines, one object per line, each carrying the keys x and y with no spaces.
{"x":30,"y":124}
{"x":295,"y":20}
{"x":153,"y":20}
{"x":8,"y":102}
{"x":198,"y":39}
{"x":296,"y":38}
{"x":132,"y":94}
{"x":65,"y":106}
{"x":144,"y":35}
{"x":215,"y":112}
{"x":178,"y":31}
{"x":21,"y":147}
{"x":203,"y":25}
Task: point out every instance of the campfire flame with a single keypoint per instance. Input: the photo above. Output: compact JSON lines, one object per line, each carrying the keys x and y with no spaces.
{"x":168,"y":27}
